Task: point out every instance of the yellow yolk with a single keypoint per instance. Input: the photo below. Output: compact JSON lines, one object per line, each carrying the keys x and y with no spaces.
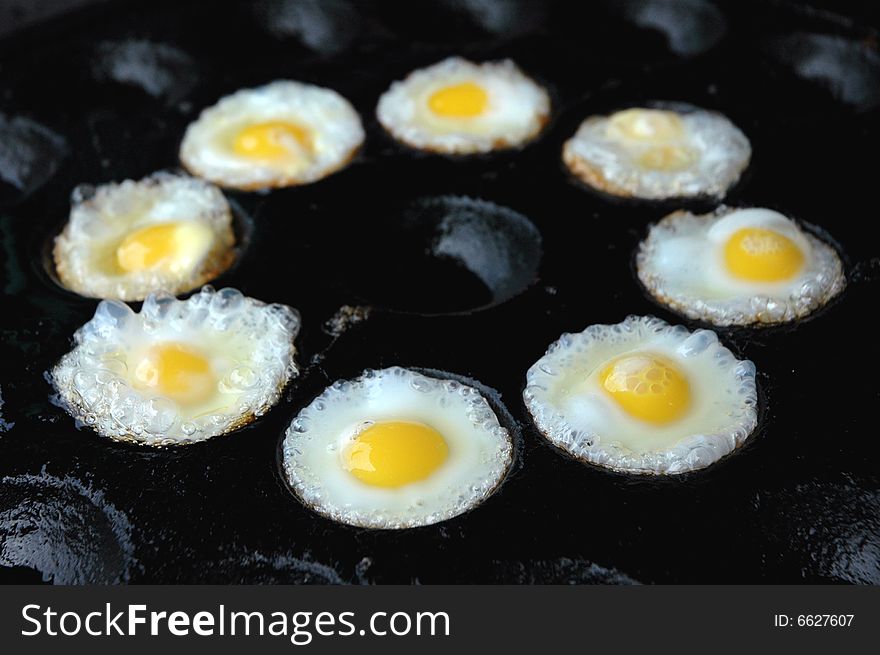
{"x":178,"y":372}
{"x":271,"y":140}
{"x":651,"y":125}
{"x":172,"y":247}
{"x":666,"y":158}
{"x":761,"y":255}
{"x":394,"y":453}
{"x":465,"y":100}
{"x":647,"y":388}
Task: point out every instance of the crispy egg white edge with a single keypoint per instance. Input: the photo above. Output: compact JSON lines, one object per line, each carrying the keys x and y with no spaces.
{"x":101,"y":398}
{"x":691,"y":452}
{"x":601,"y":162}
{"x":75,"y":264}
{"x":768,"y":303}
{"x":314,"y":428}
{"x":333,"y":122}
{"x":398,"y":108}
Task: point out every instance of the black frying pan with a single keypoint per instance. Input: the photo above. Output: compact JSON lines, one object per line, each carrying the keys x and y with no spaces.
{"x":800,"y":502}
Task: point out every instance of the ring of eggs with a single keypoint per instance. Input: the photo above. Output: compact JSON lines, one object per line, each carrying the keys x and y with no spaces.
{"x":459,"y":107}
{"x":643,"y":396}
{"x":278,"y":135}
{"x":738,"y":267}
{"x":162,"y":233}
{"x":395,"y":449}
{"x":180,"y":371}
{"x":655,"y":153}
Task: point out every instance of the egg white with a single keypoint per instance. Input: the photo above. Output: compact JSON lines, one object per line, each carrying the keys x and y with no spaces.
{"x":333,"y":124}
{"x":518,"y":108}
{"x":565,"y":397}
{"x":681,"y":263}
{"x":609,"y":163}
{"x":101,"y":218}
{"x":249,"y":344}
{"x":480,"y":449}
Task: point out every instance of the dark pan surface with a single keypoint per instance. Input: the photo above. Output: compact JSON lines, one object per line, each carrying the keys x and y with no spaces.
{"x":106,"y":94}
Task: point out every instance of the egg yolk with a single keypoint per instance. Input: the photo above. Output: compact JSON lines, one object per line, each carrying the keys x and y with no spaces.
{"x":761,"y":255}
{"x":465,"y":100}
{"x":652,"y":125}
{"x":395,"y":453}
{"x":271,"y":140}
{"x":172,"y":247}
{"x":647,"y":387}
{"x":178,"y":372}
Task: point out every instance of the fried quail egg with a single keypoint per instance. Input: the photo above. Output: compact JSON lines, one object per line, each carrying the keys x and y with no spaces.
{"x":459,"y":107}
{"x":643,"y":396}
{"x":396,"y":449}
{"x":162,"y":233}
{"x":278,"y":135}
{"x":738,"y":267}
{"x":180,"y":371}
{"x":658,"y":153}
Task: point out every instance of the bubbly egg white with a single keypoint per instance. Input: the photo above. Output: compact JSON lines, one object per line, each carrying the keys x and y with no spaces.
{"x":565,"y":397}
{"x":681,"y":263}
{"x":599,"y":157}
{"x":480,"y":449}
{"x":333,"y":126}
{"x":249,"y":345}
{"x":101,"y":218}
{"x":517,"y":108}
